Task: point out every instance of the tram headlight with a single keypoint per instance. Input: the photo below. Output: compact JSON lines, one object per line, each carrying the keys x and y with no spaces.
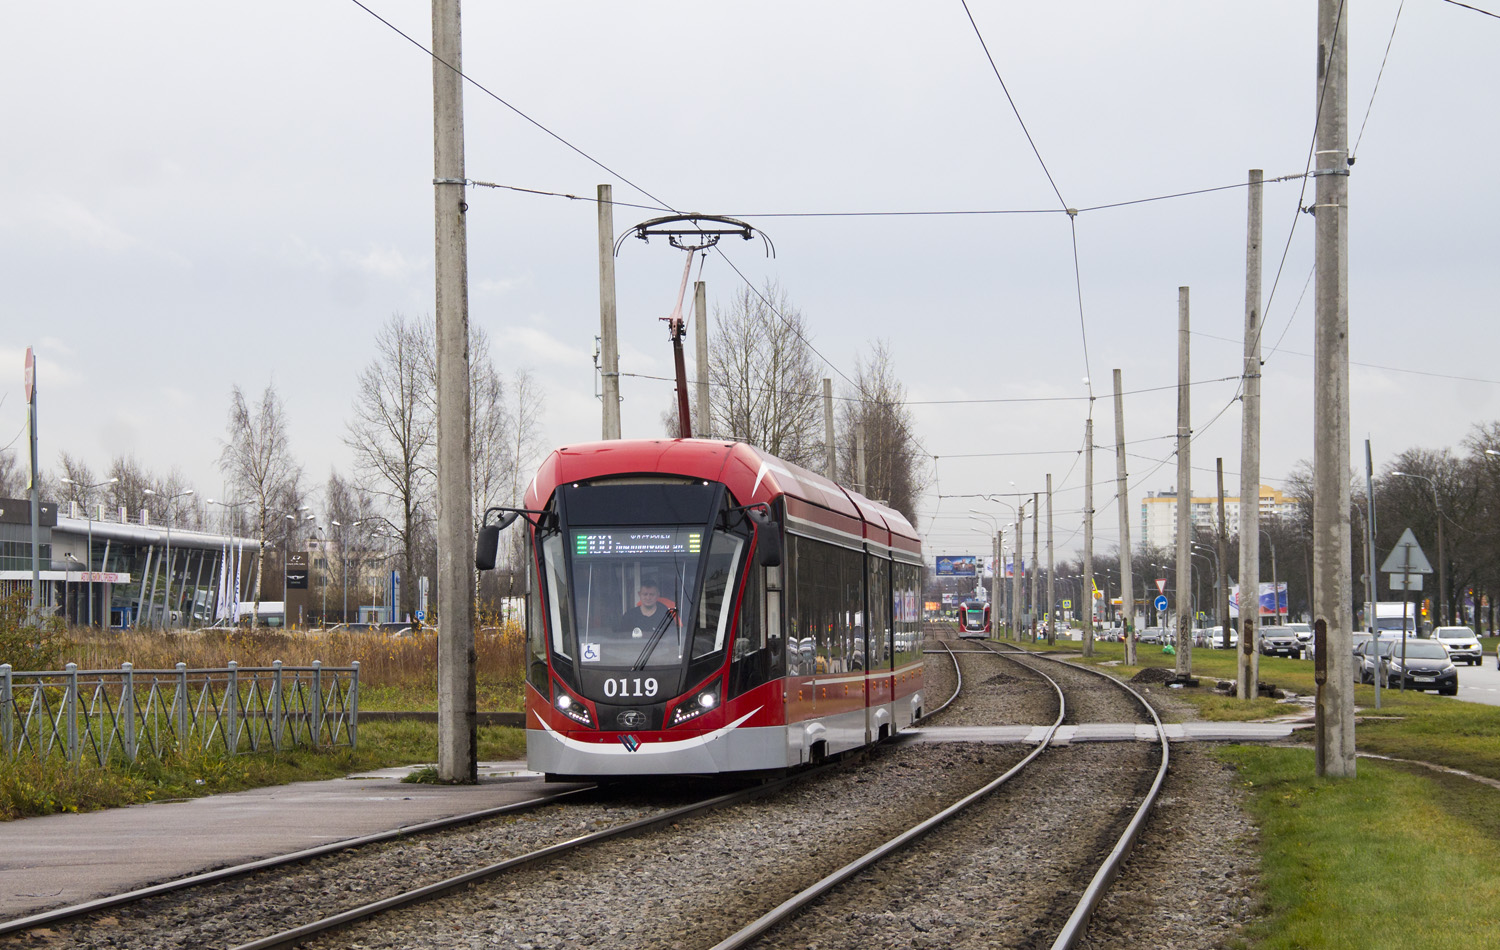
{"x":574,"y":710}
{"x":696,"y":706}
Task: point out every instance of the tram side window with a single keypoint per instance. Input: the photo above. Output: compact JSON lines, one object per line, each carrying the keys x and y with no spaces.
{"x":906,"y":589}
{"x":752,"y":661}
{"x":559,"y":602}
{"x":536,"y":638}
{"x":852,"y":610}
{"x":878,"y":635}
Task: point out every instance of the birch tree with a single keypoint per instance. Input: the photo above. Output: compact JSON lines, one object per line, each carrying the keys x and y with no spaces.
{"x":392,"y":436}
{"x":765,"y":377}
{"x":258,"y":462}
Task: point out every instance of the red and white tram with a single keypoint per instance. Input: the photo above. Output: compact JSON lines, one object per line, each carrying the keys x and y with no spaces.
{"x":700,"y":607}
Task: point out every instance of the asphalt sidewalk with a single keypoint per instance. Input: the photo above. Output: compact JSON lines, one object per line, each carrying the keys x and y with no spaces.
{"x":56,"y":860}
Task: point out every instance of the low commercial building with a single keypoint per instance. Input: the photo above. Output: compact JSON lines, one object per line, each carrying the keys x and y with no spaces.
{"x":104,"y":568}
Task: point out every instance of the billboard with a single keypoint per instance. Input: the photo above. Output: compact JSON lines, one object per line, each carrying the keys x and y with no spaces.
{"x":958,"y":565}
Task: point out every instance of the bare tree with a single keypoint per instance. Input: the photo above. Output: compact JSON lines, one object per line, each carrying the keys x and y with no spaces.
{"x":392,"y":435}
{"x":895,"y":465}
{"x":765,"y":377}
{"x":258,"y":461}
{"x":12,"y":475}
{"x":74,"y":491}
{"x":489,"y":420}
{"x":131,"y":481}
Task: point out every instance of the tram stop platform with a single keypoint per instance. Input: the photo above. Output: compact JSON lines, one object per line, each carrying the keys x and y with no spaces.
{"x":1109,"y":732}
{"x":57,"y":860}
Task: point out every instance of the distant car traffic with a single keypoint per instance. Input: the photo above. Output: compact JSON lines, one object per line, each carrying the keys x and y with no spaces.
{"x":1280,"y":641}
{"x":1304,"y":632}
{"x":1461,"y":644}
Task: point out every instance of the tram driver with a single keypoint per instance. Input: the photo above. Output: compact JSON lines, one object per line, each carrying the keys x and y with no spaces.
{"x":649,"y":613}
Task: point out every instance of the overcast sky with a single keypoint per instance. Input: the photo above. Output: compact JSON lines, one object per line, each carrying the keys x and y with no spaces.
{"x":198,"y":195}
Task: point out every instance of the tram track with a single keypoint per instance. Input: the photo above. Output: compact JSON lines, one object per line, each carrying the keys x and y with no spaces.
{"x":988,"y":861}
{"x":183,"y":912}
{"x":719,"y":866}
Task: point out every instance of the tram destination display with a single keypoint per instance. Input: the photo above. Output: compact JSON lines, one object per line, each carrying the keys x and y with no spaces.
{"x":636,"y":542}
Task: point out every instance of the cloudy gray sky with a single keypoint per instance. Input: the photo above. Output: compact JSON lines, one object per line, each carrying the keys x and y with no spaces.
{"x":197,"y":195}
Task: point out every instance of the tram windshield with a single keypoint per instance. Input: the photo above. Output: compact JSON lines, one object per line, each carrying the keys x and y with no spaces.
{"x":633,"y":600}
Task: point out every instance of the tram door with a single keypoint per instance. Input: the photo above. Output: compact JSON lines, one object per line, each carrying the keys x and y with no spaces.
{"x":879,"y":686}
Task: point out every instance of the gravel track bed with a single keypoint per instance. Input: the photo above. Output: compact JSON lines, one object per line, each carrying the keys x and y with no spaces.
{"x":239,"y":911}
{"x":1192,"y":881}
{"x":998,"y":692}
{"x":1006,"y":873}
{"x":1090,"y":699}
{"x":699,"y":881}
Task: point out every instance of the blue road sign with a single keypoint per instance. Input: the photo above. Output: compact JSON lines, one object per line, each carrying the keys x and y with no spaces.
{"x":421,"y":615}
{"x":1160,"y":603}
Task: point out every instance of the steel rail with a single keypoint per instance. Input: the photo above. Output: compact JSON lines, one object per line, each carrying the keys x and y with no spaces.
{"x":1073,"y":931}
{"x":791,"y":905}
{"x":294,"y":936}
{"x":72,"y":911}
{"x":958,"y":686}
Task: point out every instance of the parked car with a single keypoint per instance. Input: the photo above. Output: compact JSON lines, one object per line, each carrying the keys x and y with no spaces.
{"x":1422,"y":664}
{"x":1461,"y":644}
{"x":1280,"y":641}
{"x":1304,"y":632}
{"x":1364,"y":659}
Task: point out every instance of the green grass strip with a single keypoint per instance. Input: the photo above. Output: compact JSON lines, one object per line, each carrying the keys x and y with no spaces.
{"x":1400,"y":858}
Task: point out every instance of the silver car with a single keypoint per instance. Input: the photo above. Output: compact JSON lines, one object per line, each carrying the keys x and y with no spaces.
{"x":1461,"y":644}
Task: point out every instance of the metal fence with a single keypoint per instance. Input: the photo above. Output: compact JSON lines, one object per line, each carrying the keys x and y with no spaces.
{"x":126,"y":715}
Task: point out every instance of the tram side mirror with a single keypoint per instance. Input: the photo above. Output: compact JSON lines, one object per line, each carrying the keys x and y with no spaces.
{"x":768,"y":537}
{"x":487,"y":547}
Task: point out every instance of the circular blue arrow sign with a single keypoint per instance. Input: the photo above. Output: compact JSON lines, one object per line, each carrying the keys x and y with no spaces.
{"x":1161,"y":602}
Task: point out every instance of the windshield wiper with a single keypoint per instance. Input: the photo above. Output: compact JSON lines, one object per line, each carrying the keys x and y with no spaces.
{"x":656,"y":635}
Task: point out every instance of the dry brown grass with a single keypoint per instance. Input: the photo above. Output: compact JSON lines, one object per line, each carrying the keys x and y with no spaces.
{"x":385,"y":660}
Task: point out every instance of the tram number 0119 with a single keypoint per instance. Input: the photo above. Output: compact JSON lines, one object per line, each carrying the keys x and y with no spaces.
{"x":624,"y":686}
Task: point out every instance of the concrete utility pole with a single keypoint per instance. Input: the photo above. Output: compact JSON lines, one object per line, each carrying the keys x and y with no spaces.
{"x":1332,"y":624}
{"x":996,"y":569}
{"x":1036,"y":524}
{"x":1088,"y":533}
{"x":832,"y":464}
{"x":700,"y":329}
{"x":1184,"y":493}
{"x":33,"y":486}
{"x":1015,"y":577}
{"x":1222,"y":609}
{"x":1127,"y":582}
{"x":458,"y":759}
{"x":1051,"y":590}
{"x":609,"y":334}
{"x":1249,"y":655}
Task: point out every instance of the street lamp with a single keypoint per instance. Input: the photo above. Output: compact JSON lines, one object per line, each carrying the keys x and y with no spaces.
{"x":344,"y":558}
{"x":323,"y":576}
{"x":168,"y":499}
{"x":1442,"y":571}
{"x":89,"y":511}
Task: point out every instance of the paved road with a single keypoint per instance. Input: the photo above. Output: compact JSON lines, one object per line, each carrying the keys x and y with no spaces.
{"x":1480,"y":684}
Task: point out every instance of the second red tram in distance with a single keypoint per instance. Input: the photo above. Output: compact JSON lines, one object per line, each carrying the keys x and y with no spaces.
{"x":974,"y":619}
{"x":700,"y":607}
